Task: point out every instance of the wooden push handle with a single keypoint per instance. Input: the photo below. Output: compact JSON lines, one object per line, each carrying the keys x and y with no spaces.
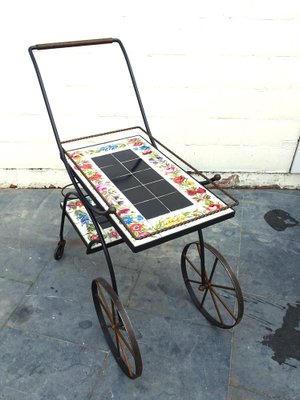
{"x":58,"y":45}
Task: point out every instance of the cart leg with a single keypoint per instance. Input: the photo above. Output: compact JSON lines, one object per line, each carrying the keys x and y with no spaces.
{"x":59,"y":251}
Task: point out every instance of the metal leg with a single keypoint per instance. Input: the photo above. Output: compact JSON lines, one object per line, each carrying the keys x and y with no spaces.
{"x":59,"y":251}
{"x":201,"y":252}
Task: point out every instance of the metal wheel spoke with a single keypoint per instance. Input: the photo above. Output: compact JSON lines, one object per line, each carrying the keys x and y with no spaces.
{"x":193,"y":281}
{"x":125,"y":358}
{"x":115,"y":328}
{"x":193,"y":266}
{"x":213,"y":269}
{"x":120,"y":335}
{"x":204,"y":297}
{"x":223,"y":303}
{"x":216,"y":306}
{"x":105,"y":305}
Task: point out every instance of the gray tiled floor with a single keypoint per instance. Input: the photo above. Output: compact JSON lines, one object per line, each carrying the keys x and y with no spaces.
{"x":51,"y":345}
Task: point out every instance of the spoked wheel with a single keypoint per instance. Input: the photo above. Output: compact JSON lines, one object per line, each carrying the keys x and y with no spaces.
{"x":214,"y":289}
{"x":117,"y":328}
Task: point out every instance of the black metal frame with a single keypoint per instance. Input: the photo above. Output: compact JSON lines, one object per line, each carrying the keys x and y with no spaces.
{"x":74,"y":181}
{"x":80,"y":189}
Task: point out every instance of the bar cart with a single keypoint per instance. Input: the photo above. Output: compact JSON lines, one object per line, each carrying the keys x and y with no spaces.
{"x":126,"y":186}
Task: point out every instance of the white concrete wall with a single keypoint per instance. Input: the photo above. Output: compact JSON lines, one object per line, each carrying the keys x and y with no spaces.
{"x":220,"y":81}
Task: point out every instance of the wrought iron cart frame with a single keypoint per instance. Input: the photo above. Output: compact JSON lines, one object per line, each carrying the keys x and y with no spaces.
{"x":199,"y":279}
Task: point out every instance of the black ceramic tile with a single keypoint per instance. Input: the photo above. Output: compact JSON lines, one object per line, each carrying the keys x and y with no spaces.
{"x":160,"y":188}
{"x":175,"y":201}
{"x":147,"y":176}
{"x":152,"y":208}
{"x":136,"y":165}
{"x":125,"y":155}
{"x":104,"y":161}
{"x":126,"y":182}
{"x":114,"y":171}
{"x":138,"y":195}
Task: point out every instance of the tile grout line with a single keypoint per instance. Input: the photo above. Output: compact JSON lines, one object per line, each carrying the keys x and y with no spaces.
{"x":57,"y":339}
{"x":105,"y":366}
{"x":30,"y":285}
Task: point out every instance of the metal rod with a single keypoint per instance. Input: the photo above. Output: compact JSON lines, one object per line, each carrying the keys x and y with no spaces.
{"x":136,"y":91}
{"x":46,"y":100}
{"x":207,"y":180}
{"x":202,"y":255}
{"x":74,"y":43}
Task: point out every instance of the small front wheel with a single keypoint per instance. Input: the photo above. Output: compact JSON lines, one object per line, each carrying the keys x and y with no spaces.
{"x":213,"y":286}
{"x":59,"y":251}
{"x":117,"y":328}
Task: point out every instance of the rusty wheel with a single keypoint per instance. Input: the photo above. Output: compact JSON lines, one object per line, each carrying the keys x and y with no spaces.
{"x":213,"y":287}
{"x":117,"y":328}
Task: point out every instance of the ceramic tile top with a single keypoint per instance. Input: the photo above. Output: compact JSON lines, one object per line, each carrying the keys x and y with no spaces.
{"x":150,"y":193}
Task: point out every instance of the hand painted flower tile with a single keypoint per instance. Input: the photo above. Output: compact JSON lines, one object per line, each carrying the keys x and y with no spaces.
{"x":79,"y":216}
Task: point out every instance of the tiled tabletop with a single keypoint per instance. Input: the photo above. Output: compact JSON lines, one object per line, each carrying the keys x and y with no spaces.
{"x":152,"y":195}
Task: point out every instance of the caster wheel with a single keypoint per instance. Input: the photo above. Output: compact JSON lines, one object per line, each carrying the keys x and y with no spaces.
{"x":59,"y":251}
{"x":214,"y":289}
{"x":117,"y":328}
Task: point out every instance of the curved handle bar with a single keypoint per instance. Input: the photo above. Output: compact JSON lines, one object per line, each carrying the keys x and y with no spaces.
{"x":77,"y":43}
{"x":58,"y":45}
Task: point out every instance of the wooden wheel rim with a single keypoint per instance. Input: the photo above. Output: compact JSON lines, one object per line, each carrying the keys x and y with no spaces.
{"x":119,"y":324}
{"x":210,"y":289}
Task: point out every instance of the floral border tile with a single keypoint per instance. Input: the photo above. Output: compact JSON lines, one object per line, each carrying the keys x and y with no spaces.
{"x":80,"y":217}
{"x":204,"y":203}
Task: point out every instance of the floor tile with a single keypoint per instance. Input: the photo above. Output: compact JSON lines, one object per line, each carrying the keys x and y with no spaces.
{"x":269,"y":267}
{"x":22,"y":264}
{"x":240,"y":394}
{"x":60,"y":318}
{"x":71,"y":278}
{"x":7,"y":393}
{"x":180,"y":360}
{"x":47,"y":368}
{"x":60,"y":304}
{"x":161,"y":290}
{"x":11,"y":293}
{"x":28,"y":221}
{"x":268,"y":327}
{"x":257,"y":204}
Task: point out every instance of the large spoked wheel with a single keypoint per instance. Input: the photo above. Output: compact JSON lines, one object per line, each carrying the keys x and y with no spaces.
{"x":214,"y":289}
{"x":117,"y":328}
